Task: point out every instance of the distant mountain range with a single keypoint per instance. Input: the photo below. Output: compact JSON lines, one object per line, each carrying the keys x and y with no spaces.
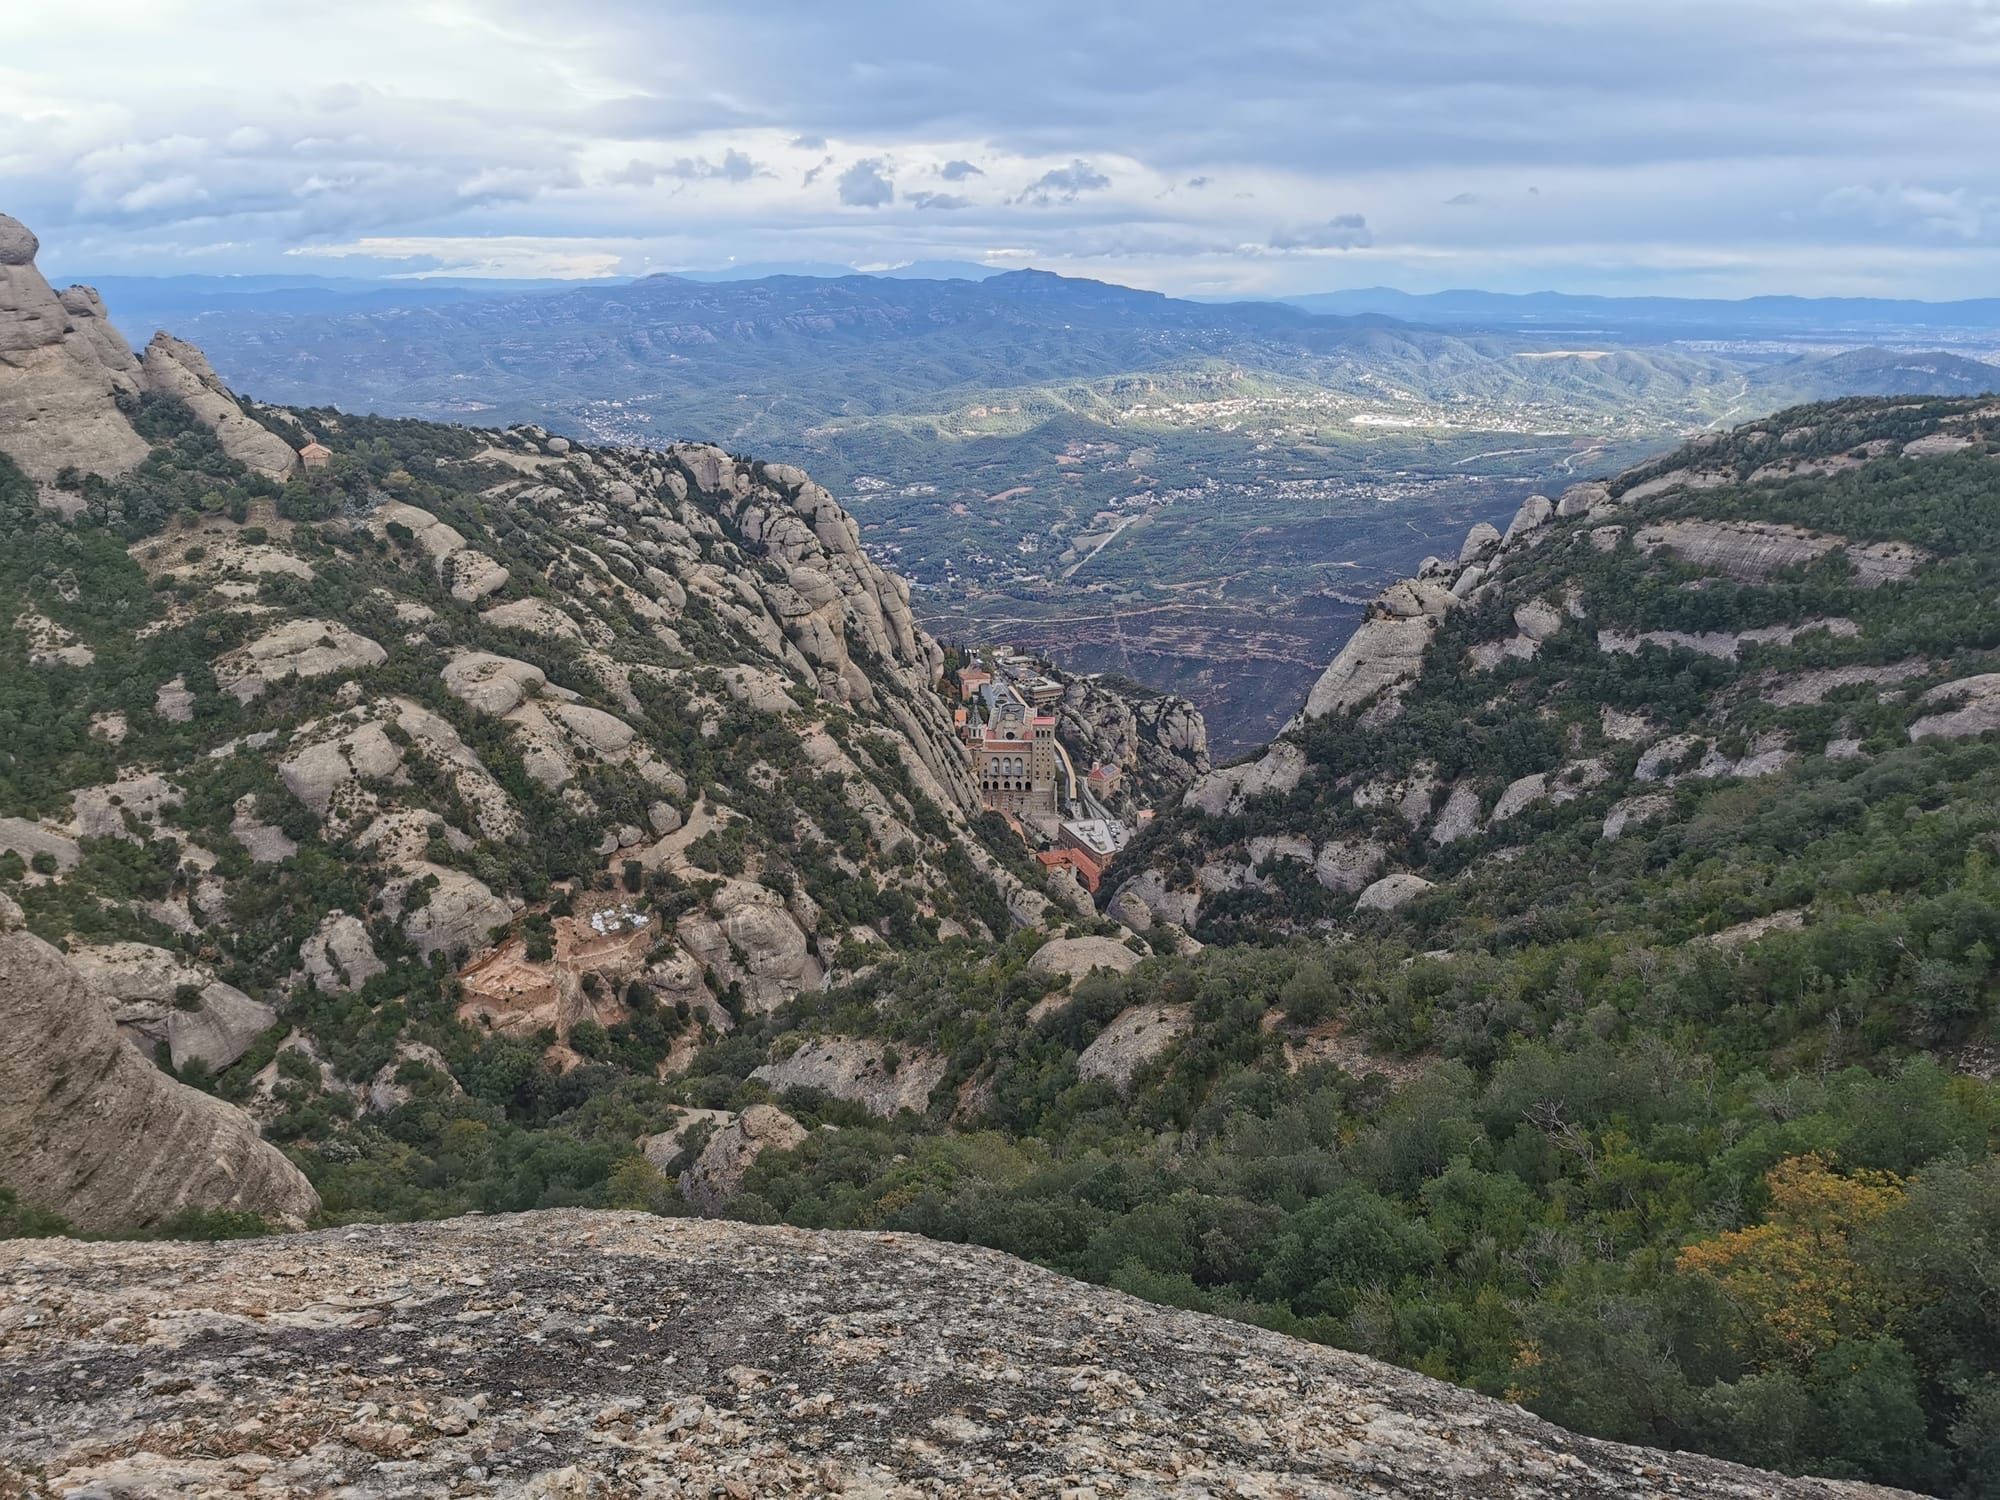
{"x":1168,"y":488}
{"x":1748,"y":317}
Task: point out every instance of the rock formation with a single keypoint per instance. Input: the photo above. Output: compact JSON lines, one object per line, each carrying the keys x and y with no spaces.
{"x":566,"y":1355}
{"x":92,"y":1131}
{"x":62,"y":370}
{"x":174,"y":368}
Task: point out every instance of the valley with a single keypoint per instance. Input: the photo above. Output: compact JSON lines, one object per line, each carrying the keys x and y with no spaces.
{"x":1585,"y":1002}
{"x":1193,"y":494}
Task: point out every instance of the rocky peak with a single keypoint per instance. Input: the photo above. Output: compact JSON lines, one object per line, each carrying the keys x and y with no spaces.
{"x":61,"y":372}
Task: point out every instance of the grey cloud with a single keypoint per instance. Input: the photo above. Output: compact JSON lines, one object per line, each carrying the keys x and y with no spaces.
{"x":809,"y":142}
{"x":1197,"y":183}
{"x":939,"y":200}
{"x":735,"y":166}
{"x":1065,"y":184}
{"x":1461,"y":200}
{"x":958,"y":171}
{"x":867,"y":184}
{"x":1341,"y":232}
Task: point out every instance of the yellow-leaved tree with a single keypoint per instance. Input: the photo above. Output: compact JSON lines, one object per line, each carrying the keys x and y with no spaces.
{"x":1795,"y":1277}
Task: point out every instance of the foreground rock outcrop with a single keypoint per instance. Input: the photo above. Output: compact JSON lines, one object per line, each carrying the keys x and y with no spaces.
{"x":93,"y":1131}
{"x":570,"y":1354}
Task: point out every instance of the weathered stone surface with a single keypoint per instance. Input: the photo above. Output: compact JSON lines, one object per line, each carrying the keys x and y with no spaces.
{"x":1348,"y":864}
{"x":1075,"y":957}
{"x":602,"y":1354}
{"x":1751,"y":551}
{"x":61,"y":369}
{"x":1534,"y":514}
{"x":856,"y":1069}
{"x":1146,"y":898}
{"x":491,"y":684}
{"x":1724,"y":645}
{"x":28,"y":839}
{"x":1480,"y":538}
{"x":748,"y":936}
{"x":308,"y":648}
{"x":264,"y":842}
{"x":91,"y":1130}
{"x":1968,"y":706}
{"x":1392,"y":891}
{"x":1629,"y":813}
{"x":174,"y":368}
{"x":1134,"y":1039}
{"x":174,"y":702}
{"x":1381,"y":658}
{"x":717,"y":1174}
{"x":339,"y":957}
{"x":1460,"y":818}
{"x":459,"y":911}
{"x":1277,"y":770}
{"x":473,"y":575}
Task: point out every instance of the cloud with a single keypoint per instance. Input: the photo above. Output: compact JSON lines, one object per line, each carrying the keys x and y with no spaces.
{"x":867,"y":184}
{"x":1942,"y":213}
{"x":735,"y":166}
{"x":1064,"y":184}
{"x":1341,"y":232}
{"x":1616,"y":148}
{"x":939,"y":200}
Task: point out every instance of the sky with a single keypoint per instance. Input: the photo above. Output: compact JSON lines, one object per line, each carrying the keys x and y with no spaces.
{"x":1679,"y":147}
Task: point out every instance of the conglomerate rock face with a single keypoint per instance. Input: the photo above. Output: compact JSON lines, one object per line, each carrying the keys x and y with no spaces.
{"x":572,"y":1354}
{"x":93,"y":1131}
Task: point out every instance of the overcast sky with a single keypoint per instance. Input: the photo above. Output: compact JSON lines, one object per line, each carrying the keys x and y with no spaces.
{"x":1695,"y":147}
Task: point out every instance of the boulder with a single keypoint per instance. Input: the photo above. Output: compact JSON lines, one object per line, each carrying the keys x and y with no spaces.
{"x":1073,"y":958}
{"x":1348,"y":864}
{"x":460,"y":911}
{"x":339,"y":957}
{"x":1648,"y":807}
{"x":1534,"y":514}
{"x":1392,"y":891}
{"x":717,"y":1174}
{"x":1481,"y":538}
{"x":1460,"y":818}
{"x":490,"y":684}
{"x":856,"y":1069}
{"x":1138,"y":1035}
{"x":305,"y":648}
{"x":1276,"y":771}
{"x":1969,"y":706}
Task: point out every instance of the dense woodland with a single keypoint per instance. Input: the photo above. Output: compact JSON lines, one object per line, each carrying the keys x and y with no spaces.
{"x":1539,"y":1133}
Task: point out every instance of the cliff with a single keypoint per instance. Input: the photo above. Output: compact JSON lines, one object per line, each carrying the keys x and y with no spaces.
{"x":1748,"y":610}
{"x":91,"y":1130}
{"x":569,"y":1354}
{"x":381,"y":727}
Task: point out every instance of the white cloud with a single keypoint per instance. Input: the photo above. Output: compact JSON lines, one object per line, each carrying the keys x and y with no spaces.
{"x":1478,"y":140}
